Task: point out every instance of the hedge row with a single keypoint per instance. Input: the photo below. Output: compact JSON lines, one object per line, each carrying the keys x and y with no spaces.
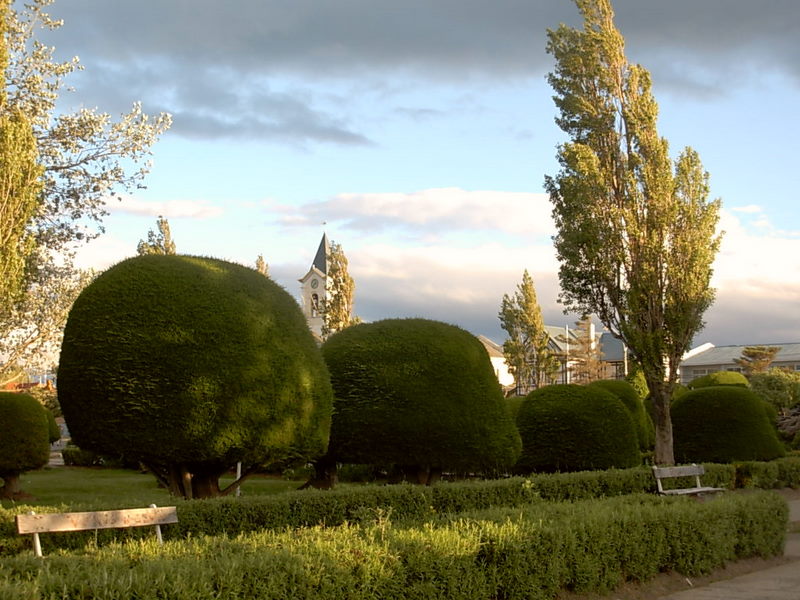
{"x":528,"y":552}
{"x":406,"y":502}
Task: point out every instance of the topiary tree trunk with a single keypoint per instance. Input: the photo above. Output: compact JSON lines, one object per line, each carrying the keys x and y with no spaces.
{"x":11,"y":488}
{"x":325,"y":475}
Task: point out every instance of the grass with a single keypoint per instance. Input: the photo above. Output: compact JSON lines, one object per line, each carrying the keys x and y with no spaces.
{"x":117,"y":488}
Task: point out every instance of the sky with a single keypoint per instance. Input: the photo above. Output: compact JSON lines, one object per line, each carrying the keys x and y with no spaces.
{"x":417,"y":134}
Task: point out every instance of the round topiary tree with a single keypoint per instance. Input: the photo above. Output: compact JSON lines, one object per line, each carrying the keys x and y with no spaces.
{"x":645,"y":430}
{"x":24,"y":444}
{"x":418,"y":394}
{"x":575,"y":428}
{"x":723,"y":424}
{"x":719,"y":378}
{"x":191,"y":365}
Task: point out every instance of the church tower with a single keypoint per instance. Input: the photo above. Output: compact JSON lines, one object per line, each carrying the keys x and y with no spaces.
{"x":314,"y":288}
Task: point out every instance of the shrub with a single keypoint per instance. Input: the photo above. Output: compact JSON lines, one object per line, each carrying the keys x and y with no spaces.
{"x":723,"y":424}
{"x":719,"y":378}
{"x":513,"y":405}
{"x":779,"y":387}
{"x":645,"y":430}
{"x":575,"y":428}
{"x":533,"y":552}
{"x":420,"y":394}
{"x":231,"y":516}
{"x":53,"y":431}
{"x":189,"y":365}
{"x":636,"y":378}
{"x":78,"y":457}
{"x":24,"y":439}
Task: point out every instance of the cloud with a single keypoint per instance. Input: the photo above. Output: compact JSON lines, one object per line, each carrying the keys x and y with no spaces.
{"x":456,"y":37}
{"x":757,"y":278}
{"x":463,"y":286}
{"x":191,"y":209}
{"x":433,"y":211}
{"x":748,"y":209}
{"x":214,"y":65}
{"x":103,"y":252}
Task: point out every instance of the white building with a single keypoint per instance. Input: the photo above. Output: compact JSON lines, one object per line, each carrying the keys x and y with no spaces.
{"x":710,"y":359}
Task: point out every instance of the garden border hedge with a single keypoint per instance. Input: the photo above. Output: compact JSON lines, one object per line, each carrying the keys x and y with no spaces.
{"x":232,"y":516}
{"x":533,"y":551}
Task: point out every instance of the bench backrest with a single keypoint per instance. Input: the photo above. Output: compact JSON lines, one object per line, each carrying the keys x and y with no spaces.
{"x":104,"y":519}
{"x":683,"y":471}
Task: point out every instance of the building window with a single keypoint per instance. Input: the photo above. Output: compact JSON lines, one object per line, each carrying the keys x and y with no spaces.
{"x":314,"y":305}
{"x":734,"y":369}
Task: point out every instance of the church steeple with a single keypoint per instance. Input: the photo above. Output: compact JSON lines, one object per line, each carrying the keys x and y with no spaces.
{"x":314,"y":288}
{"x":321,"y":259}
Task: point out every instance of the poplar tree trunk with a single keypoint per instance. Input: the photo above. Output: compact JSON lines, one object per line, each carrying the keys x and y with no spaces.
{"x":664,"y":454}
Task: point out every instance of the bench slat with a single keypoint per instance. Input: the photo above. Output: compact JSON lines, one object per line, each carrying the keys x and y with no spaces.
{"x":106,"y":519}
{"x":687,"y":491}
{"x":684,"y":471}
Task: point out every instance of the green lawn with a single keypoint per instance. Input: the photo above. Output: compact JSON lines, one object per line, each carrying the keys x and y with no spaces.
{"x":118,"y":488}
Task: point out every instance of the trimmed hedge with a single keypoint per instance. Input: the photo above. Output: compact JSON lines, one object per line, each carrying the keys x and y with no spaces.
{"x":416,"y":392}
{"x":723,"y":424}
{"x":24,"y":437}
{"x":645,"y":430}
{"x":719,"y":378}
{"x":532,"y":552}
{"x":575,"y":428}
{"x":231,"y":516}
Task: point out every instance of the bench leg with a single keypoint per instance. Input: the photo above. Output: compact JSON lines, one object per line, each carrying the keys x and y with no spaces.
{"x":37,"y":545}
{"x":158,"y":529}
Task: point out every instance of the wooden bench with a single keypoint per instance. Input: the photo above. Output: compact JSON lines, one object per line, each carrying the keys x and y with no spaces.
{"x":103,"y":519}
{"x":661,"y":473}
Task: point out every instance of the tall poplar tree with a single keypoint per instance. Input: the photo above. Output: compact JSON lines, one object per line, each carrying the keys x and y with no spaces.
{"x":337,"y":312}
{"x":20,"y":185}
{"x":635,"y":233}
{"x":527,"y":349}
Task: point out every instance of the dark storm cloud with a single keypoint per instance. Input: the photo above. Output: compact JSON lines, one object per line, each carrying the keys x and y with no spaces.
{"x":691,"y":45}
{"x":460,"y":36}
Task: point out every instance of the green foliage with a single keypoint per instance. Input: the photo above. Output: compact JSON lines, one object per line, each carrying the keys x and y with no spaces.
{"x":24,"y":435}
{"x":158,"y":243}
{"x":779,"y":387}
{"x":623,"y":390}
{"x":719,"y":378}
{"x":192,"y":363}
{"x":78,"y":457}
{"x":417,"y":392}
{"x":232,"y":516}
{"x":53,"y":431}
{"x":337,"y":312}
{"x":756,"y":359}
{"x":723,"y":424}
{"x":636,"y":378}
{"x":575,"y":428}
{"x":513,"y":405}
{"x":530,"y":552}
{"x":527,"y":350}
{"x":636,"y":234}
